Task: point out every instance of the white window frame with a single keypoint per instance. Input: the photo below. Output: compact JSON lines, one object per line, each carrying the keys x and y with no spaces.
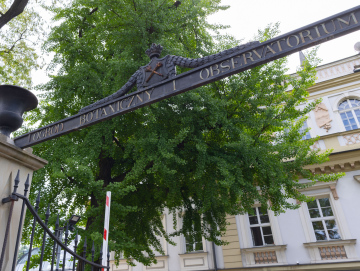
{"x":261,"y":225}
{"x":335,"y":106}
{"x":323,"y":218}
{"x":322,"y":190}
{"x":194,"y":245}
{"x":246,"y":244}
{"x":182,"y":239}
{"x":350,"y":109}
{"x":191,"y":261}
{"x":246,"y":236}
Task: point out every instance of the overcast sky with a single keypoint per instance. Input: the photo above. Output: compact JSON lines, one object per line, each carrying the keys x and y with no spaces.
{"x":245,"y":17}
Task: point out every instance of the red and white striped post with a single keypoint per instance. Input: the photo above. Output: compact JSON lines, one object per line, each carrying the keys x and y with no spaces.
{"x":106,"y":228}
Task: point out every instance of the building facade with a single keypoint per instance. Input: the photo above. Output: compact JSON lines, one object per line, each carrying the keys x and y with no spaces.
{"x":321,"y":235}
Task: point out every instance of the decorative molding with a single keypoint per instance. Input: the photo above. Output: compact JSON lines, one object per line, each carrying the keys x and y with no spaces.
{"x":357,"y":178}
{"x":320,"y":185}
{"x":329,"y":251}
{"x":194,"y":261}
{"x":332,"y":252}
{"x":323,"y":185}
{"x":121,"y":266}
{"x":333,"y":86}
{"x":265,"y":255}
{"x":316,"y":146}
{"x":322,"y":117}
{"x":334,"y":192}
{"x":340,"y":161}
{"x":352,"y":139}
{"x":338,"y":69}
{"x":161,"y":265}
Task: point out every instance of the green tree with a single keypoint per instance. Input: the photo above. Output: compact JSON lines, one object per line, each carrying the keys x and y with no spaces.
{"x":20,"y":31}
{"x":206,"y":153}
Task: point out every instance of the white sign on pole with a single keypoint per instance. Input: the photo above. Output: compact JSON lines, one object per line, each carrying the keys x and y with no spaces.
{"x":106,"y":228}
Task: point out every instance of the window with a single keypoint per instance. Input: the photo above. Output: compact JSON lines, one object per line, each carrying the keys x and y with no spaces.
{"x":260,"y":228}
{"x":190,"y":242}
{"x":350,"y":113}
{"x":194,"y":244}
{"x":323,"y":220}
{"x":302,"y":130}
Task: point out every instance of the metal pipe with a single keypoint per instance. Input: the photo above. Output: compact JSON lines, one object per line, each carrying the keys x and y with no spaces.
{"x":55,"y":244}
{"x":26,"y":189}
{"x":58,"y":251}
{"x":32,"y":233}
{"x":75,"y":247}
{"x":6,"y":234}
{"x":44,"y":238}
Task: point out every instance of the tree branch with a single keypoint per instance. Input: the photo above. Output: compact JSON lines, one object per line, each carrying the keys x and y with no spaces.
{"x":16,"y":9}
{"x":13,"y":46}
{"x":118,"y":143}
{"x":90,"y":13}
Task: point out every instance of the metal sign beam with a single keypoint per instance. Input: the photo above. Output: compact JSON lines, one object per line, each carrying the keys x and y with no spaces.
{"x":321,"y":31}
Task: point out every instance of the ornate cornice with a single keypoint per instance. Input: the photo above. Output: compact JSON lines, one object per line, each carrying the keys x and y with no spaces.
{"x":339,"y":162}
{"x":329,"y":85}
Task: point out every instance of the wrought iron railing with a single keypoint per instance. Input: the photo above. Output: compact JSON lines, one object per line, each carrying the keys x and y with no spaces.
{"x":81,"y":260}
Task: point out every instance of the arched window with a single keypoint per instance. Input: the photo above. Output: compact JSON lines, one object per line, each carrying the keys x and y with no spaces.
{"x":350,"y":113}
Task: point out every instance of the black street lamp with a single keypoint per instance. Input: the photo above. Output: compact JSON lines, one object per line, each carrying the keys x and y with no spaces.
{"x":72,"y":221}
{"x":70,"y":226}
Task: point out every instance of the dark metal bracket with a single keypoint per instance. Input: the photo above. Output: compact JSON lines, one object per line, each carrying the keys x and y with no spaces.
{"x":9,"y":199}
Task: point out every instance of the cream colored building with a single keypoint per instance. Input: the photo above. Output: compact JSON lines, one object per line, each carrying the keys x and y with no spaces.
{"x":320,"y":235}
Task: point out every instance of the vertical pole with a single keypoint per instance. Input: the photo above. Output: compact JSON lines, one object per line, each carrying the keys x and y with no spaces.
{"x":58,"y":250}
{"x":108,"y":260}
{"x":101,"y":257}
{"x":26,"y":189}
{"x":84,"y":255}
{"x":6,"y":234}
{"x":75,"y":247}
{"x":106,"y":228}
{"x":55,"y":243}
{"x":17,"y":180}
{"x":66,"y":239}
{"x":32,"y":233}
{"x":44,"y":237}
{"x":92,"y":256}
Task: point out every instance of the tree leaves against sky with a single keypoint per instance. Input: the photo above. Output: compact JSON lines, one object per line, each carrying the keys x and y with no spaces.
{"x":19,"y":39}
{"x":206,"y":153}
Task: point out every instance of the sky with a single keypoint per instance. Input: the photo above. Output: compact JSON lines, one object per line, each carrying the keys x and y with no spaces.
{"x":245,"y":17}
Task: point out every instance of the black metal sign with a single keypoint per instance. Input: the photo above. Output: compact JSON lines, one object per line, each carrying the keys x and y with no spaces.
{"x":227,"y":63}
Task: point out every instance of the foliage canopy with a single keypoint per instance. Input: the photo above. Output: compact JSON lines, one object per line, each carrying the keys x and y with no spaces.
{"x":209,"y":152}
{"x":19,"y":37}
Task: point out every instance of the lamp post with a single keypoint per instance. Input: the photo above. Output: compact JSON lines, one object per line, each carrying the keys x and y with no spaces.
{"x":71,"y":223}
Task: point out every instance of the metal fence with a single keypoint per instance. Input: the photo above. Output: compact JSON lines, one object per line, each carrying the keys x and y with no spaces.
{"x":78,"y":261}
